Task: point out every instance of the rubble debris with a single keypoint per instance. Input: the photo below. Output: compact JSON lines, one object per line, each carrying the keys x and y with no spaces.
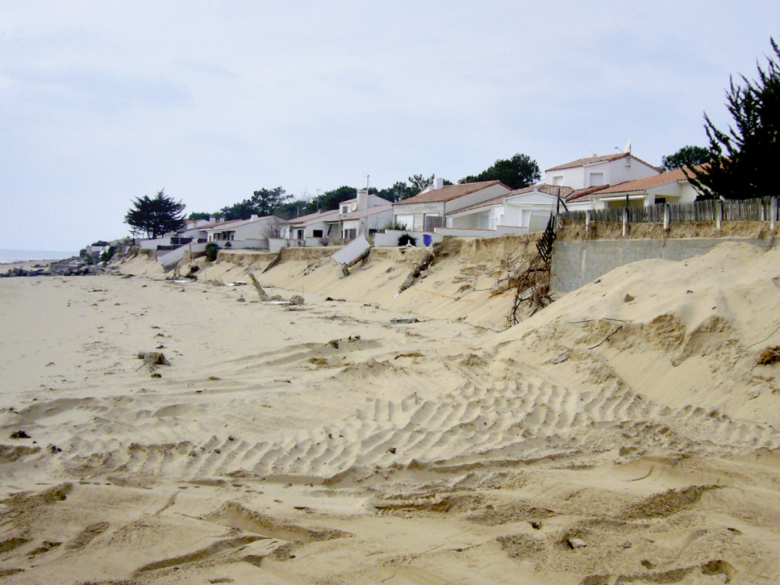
{"x":153,"y":358}
{"x":263,"y":295}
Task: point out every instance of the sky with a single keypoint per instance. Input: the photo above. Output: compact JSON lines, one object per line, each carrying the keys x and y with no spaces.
{"x":105,"y":101}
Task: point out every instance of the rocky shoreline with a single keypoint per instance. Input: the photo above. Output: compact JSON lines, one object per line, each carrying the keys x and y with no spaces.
{"x":73,"y":266}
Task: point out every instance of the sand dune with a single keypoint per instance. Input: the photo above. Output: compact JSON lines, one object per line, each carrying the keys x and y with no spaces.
{"x":601,"y":441}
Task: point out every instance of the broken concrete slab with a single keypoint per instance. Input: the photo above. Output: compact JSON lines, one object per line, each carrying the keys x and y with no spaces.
{"x":355,"y":251}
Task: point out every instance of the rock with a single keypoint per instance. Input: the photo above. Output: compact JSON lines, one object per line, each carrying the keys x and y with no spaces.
{"x":576,"y":543}
{"x":153,"y":358}
{"x":296,"y":300}
{"x":241,"y":299}
{"x":404,"y":320}
{"x":628,"y":299}
{"x":560,"y":359}
{"x":20,"y":435}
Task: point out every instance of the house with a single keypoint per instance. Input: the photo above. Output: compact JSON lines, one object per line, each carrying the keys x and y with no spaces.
{"x":427,"y":210}
{"x":252,"y":233}
{"x":364,"y":215}
{"x":198,"y":230}
{"x":597,"y":171}
{"x":514,"y":209}
{"x":323,"y":224}
{"x":671,"y":187}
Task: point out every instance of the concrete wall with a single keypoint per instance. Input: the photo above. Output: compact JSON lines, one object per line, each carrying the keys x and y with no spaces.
{"x":389,"y":239}
{"x":576,"y":264}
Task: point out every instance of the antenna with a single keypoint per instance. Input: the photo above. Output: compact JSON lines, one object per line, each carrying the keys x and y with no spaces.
{"x":368,"y":180}
{"x":627,"y":149}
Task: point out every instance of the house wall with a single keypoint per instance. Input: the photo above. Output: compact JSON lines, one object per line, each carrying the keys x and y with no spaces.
{"x":620,"y":172}
{"x":419,"y":210}
{"x":476,"y":220}
{"x":389,"y":239}
{"x":615,"y":172}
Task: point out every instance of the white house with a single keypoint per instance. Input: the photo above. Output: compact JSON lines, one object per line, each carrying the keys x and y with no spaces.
{"x":364,"y":215}
{"x":515,"y":209}
{"x":427,"y":210}
{"x":323,"y":224}
{"x":671,"y":187}
{"x":597,"y":171}
{"x":252,"y":233}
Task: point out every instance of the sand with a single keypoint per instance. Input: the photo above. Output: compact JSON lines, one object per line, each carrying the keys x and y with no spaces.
{"x":601,"y":441}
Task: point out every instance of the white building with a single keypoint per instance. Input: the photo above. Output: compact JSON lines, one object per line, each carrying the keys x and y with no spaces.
{"x":427,"y":210}
{"x":323,"y":224}
{"x":364,"y":215}
{"x":515,"y":209}
{"x":598,"y":171}
{"x":251,"y":233}
{"x":672,"y":187}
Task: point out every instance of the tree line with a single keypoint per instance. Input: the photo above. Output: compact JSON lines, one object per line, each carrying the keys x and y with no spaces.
{"x":516,"y":172}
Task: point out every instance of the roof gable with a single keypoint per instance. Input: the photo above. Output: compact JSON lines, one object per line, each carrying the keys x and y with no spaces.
{"x":674,"y":176}
{"x":583,"y":162}
{"x":450,"y":192}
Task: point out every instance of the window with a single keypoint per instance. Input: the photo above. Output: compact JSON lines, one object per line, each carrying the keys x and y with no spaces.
{"x":596,"y":179}
{"x":316,"y":233}
{"x":660,"y":200}
{"x":345,"y":209}
{"x":299,"y":234}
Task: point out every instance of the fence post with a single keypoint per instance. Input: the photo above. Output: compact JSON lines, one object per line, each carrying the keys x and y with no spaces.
{"x":625,"y":221}
{"x":719,"y":214}
{"x":667,"y":214}
{"x":587,"y":222}
{"x":773,"y":213}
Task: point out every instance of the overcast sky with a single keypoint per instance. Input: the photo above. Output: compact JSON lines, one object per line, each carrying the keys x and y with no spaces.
{"x":103,"y":101}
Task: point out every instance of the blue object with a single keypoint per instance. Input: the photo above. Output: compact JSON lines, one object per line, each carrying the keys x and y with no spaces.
{"x":427,"y":240}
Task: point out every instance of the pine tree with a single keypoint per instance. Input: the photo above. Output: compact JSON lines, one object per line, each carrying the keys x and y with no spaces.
{"x":743,"y":157}
{"x":156,"y":216}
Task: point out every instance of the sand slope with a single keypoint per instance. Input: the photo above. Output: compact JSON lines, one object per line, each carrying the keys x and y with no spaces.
{"x":324,"y":444}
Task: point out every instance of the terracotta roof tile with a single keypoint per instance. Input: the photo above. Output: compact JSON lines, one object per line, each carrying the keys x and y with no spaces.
{"x":645,"y":184}
{"x":450,"y":192}
{"x":554,"y":190}
{"x":581,"y":162}
{"x":581,"y":195}
{"x":313,"y":217}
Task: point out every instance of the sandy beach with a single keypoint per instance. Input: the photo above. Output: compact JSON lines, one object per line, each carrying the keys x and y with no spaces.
{"x":626,"y":434}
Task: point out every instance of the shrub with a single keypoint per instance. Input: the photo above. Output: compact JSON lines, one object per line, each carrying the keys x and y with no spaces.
{"x":407,"y":239}
{"x":211,"y":251}
{"x":108,"y":254}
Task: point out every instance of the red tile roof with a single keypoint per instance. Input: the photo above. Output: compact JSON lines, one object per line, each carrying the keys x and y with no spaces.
{"x":581,"y":162}
{"x":584,"y":194}
{"x":366,"y":212}
{"x":314,"y":217}
{"x":553,"y":190}
{"x":645,"y":184}
{"x":450,"y":192}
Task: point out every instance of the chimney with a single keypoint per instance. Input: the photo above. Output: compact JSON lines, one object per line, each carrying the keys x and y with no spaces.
{"x":437,"y":184}
{"x":212,"y":219}
{"x":362,"y":199}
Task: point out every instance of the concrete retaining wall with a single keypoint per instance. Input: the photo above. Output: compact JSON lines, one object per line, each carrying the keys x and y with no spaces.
{"x":578,"y":263}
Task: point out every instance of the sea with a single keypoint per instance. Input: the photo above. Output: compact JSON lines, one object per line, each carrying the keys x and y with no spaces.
{"x":11,"y":256}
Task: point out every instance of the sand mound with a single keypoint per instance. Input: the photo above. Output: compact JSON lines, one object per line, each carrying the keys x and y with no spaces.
{"x":678,"y":332}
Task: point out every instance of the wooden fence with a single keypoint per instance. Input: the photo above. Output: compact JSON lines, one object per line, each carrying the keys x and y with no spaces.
{"x":762,"y":209}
